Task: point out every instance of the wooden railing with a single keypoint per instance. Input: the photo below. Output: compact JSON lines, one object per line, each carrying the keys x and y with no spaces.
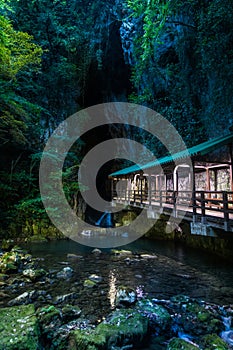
{"x":200,"y":203}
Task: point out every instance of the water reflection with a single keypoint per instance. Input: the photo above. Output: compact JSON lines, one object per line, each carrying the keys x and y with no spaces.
{"x":112,"y":288}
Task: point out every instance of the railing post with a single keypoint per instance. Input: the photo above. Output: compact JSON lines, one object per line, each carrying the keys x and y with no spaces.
{"x":160,"y":199}
{"x":203,"y":217}
{"x":225,"y":210}
{"x":194,"y":204}
{"x":149,"y":190}
{"x":174,"y":195}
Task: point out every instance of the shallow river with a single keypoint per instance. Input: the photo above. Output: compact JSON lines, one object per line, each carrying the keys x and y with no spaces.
{"x":157,"y":269}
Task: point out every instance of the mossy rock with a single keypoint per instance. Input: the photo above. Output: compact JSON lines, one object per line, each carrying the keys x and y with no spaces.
{"x":70,"y":312}
{"x":198,"y":320}
{"x":121,"y":252}
{"x":123,"y":327}
{"x":34,"y":274}
{"x":36,"y":239}
{"x":19,"y":328}
{"x":48,"y":314}
{"x":87,"y":340}
{"x":180,"y":344}
{"x":10,"y":262}
{"x":158,"y":316}
{"x":89,"y":283}
{"x":213,"y":342}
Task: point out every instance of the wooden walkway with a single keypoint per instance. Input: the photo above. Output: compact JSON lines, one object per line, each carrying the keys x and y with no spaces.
{"x":214,"y":208}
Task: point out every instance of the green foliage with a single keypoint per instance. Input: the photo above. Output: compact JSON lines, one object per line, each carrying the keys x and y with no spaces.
{"x":19,"y":55}
{"x":183,"y":63}
{"x":17,"y":50}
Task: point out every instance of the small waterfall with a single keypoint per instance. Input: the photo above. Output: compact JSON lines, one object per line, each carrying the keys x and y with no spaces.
{"x":227,"y":323}
{"x":227,"y":335}
{"x":105,"y":220}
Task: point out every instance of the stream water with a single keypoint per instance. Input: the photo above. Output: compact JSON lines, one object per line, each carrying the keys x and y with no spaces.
{"x":157,"y":269}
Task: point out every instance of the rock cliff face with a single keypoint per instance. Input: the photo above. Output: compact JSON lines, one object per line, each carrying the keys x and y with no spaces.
{"x":182,"y":65}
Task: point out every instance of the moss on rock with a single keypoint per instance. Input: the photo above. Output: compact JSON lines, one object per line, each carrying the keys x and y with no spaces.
{"x":123,"y":327}
{"x":19,"y":328}
{"x":158,"y":316}
{"x":180,"y":344}
{"x":89,"y":283}
{"x":213,"y":342}
{"x":10,"y":262}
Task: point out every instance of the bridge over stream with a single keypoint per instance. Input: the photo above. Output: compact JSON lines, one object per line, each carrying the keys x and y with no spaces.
{"x":200,"y":191}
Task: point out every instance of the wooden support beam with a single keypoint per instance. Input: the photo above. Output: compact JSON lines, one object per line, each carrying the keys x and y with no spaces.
{"x":231,"y":165}
{"x":207,"y":179}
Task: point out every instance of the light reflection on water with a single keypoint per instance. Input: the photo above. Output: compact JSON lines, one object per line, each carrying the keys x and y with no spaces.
{"x":112,"y":288}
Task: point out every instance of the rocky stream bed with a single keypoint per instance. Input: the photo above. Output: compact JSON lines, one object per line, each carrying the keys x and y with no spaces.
{"x":100,"y":300}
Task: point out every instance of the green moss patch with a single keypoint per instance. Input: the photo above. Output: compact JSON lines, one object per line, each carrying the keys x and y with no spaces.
{"x":124,"y":327}
{"x":180,"y":344}
{"x":19,"y":328}
{"x":213,"y":342}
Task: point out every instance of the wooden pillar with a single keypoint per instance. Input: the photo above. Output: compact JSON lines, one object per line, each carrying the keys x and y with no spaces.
{"x":207,"y":179}
{"x":231,"y":165}
{"x":226,"y":212}
{"x":215,"y":180}
{"x":141,"y":195}
{"x":149,"y":189}
{"x":203,"y":216}
{"x":194,"y":202}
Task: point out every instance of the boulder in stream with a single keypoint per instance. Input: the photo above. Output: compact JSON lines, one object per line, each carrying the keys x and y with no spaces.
{"x":159,"y":317}
{"x":125,"y":296}
{"x":123,"y":328}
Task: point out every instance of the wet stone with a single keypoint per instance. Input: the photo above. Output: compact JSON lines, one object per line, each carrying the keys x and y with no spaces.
{"x":74,"y":256}
{"x":125,"y":296}
{"x":65,"y":273}
{"x":34,"y":274}
{"x":65,"y":298}
{"x":121,"y":253}
{"x":89,"y":283}
{"x":29,"y":297}
{"x":96,"y":251}
{"x":95,"y":278}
